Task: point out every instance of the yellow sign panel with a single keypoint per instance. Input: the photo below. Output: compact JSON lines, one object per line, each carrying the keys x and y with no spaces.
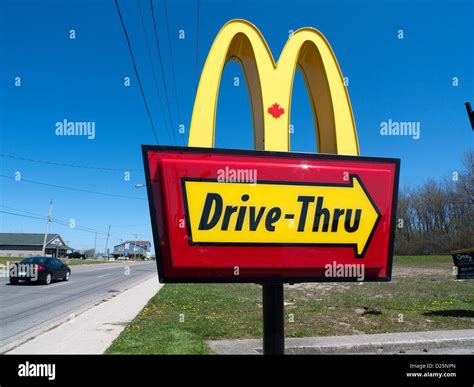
{"x":280,"y":213}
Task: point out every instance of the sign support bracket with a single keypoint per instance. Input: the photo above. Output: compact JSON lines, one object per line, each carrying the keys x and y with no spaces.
{"x":273,"y":319}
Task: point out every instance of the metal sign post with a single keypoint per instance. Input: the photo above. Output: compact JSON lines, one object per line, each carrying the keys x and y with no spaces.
{"x":273,"y":319}
{"x":57,"y":242}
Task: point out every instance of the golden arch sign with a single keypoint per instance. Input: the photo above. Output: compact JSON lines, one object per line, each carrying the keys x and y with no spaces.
{"x":270,"y":86}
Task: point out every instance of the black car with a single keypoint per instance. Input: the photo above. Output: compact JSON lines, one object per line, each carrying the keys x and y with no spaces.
{"x":76,"y":254}
{"x":39,"y":269}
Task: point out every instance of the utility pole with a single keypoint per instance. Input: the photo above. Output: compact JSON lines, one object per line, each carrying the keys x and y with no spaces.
{"x":107,"y":242}
{"x":67,"y":245}
{"x":95,"y":246}
{"x":47,"y":227}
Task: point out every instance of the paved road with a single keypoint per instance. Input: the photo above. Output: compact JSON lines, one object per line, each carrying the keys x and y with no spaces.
{"x":28,"y":308}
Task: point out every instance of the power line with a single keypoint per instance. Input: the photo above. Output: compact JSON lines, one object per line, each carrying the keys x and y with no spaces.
{"x":74,"y":189}
{"x":153,"y":67}
{"x":161,"y":66}
{"x":17,"y":209}
{"x":64,"y":222}
{"x":172,"y":62}
{"x":136,"y":71}
{"x":40,"y":216}
{"x":53,"y":220}
{"x":24,"y":216}
{"x":76,"y":227}
{"x":69,"y":165}
{"x":61,"y":223}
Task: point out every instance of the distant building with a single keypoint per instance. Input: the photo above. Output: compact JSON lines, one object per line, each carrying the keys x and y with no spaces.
{"x":132,"y":249}
{"x":26,"y":244}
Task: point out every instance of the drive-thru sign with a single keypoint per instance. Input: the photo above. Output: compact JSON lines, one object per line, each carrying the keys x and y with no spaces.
{"x":271,"y":216}
{"x":240,"y":216}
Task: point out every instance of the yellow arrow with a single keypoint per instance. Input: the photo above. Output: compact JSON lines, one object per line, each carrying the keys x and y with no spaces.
{"x":281,"y":213}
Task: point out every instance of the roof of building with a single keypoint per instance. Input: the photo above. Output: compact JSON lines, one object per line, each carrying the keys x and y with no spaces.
{"x":143,"y":244}
{"x":30,"y":239}
{"x":140,"y":243}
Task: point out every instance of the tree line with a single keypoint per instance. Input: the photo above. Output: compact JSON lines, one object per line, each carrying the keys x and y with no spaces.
{"x":437,"y":216}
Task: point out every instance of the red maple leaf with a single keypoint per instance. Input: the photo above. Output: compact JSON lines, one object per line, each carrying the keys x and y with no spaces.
{"x":276,"y":110}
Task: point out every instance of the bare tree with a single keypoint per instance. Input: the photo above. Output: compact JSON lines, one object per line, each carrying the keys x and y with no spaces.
{"x":437,"y":216}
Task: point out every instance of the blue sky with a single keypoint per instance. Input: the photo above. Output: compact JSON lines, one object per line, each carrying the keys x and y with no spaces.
{"x":82,"y":79}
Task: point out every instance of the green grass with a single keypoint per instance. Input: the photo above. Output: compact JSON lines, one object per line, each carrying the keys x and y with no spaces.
{"x":75,"y":262}
{"x":423,"y":295}
{"x":422,"y":260}
{"x":7,"y":260}
{"x":180,"y":317}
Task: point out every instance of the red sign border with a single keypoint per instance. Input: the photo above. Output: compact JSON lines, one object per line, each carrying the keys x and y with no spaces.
{"x":266,"y":280}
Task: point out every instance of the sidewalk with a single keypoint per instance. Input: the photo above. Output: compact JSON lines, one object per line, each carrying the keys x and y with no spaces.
{"x":93,"y":331}
{"x":431,"y":342}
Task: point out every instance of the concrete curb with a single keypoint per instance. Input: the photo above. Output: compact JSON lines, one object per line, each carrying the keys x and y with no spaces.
{"x":385,"y":343}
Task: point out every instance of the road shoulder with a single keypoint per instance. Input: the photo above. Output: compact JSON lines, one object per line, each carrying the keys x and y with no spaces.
{"x":93,"y":331}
